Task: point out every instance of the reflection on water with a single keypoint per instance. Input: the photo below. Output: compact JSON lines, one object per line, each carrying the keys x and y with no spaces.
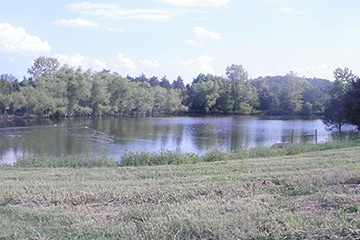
{"x":112,"y":136}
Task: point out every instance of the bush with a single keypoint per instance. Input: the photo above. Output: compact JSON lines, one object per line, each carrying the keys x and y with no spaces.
{"x":215,"y":155}
{"x":163,"y":158}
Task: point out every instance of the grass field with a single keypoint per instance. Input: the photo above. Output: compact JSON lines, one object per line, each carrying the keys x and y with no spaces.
{"x":307,"y":196}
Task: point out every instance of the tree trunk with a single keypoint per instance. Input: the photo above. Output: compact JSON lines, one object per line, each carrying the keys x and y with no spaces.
{"x":340,"y":125}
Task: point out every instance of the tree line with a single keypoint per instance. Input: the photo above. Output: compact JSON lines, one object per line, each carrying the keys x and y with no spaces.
{"x":52,"y":90}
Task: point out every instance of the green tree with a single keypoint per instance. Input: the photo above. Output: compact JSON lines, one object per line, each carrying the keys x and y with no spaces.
{"x":352,"y":104}
{"x":204,"y":95}
{"x":291,"y":94}
{"x":43,"y":67}
{"x":178,"y":83}
{"x":154,"y":81}
{"x":17,"y":102}
{"x":99,"y":96}
{"x":335,"y":113}
{"x":165,"y":83}
{"x":307,"y":109}
{"x":8,"y":84}
{"x":37,"y":102}
{"x":4,"y":104}
{"x":244,"y":94}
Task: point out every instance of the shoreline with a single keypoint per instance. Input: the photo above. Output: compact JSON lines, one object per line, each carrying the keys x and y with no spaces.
{"x":163,"y":157}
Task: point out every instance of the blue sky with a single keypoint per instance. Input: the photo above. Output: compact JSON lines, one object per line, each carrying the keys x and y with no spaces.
{"x":183,"y":37}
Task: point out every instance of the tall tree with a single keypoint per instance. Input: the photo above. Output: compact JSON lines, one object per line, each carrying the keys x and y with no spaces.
{"x":204,"y":95}
{"x":335,"y":114}
{"x":44,"y":67}
{"x":291,"y":94}
{"x":244,"y":94}
{"x":165,"y":83}
{"x":352,"y":104}
{"x":99,"y":97}
{"x":8,"y":84}
{"x":154,"y":81}
{"x":178,"y":83}
{"x":141,"y":78}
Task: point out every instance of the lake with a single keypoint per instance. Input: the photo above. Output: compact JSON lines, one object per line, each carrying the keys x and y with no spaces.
{"x":111,"y":136}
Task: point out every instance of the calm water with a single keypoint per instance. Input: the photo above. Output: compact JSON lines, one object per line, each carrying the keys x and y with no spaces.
{"x":112,"y":136}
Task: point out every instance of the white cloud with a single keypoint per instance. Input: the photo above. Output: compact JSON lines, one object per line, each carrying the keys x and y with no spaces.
{"x":111,"y":29}
{"x":202,"y":32}
{"x":113,"y":11}
{"x":193,"y":43}
{"x":79,"y":60}
{"x":200,"y":64}
{"x":78,"y":22}
{"x":150,"y":63}
{"x":205,"y":61}
{"x":198,"y":3}
{"x":17,"y":40}
{"x":127,"y":62}
{"x":185,"y":62}
{"x":290,"y":11}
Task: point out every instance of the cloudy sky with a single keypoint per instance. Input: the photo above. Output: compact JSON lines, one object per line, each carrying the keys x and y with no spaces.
{"x":183,"y":37}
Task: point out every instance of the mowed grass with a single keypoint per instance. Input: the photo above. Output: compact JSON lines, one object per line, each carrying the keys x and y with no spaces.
{"x":307,"y":196}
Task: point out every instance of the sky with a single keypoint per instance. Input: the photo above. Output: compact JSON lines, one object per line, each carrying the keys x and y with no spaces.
{"x":183,"y":37}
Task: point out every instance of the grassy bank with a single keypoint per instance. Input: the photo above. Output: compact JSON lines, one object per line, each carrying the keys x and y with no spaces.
{"x":307,"y":196}
{"x":146,"y":158}
{"x":176,"y":157}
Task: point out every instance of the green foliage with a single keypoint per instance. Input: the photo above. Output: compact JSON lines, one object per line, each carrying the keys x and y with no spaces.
{"x":204,"y":94}
{"x":165,"y":83}
{"x":178,"y":83}
{"x":174,"y":158}
{"x":163,"y":158}
{"x":352,"y":104}
{"x":307,"y":109}
{"x":54,"y":91}
{"x":99,"y":97}
{"x":335,"y":114}
{"x":215,"y":155}
{"x":292,"y":95}
{"x":43,"y":67}
{"x":243,"y":93}
{"x":234,"y":94}
{"x":58,"y":91}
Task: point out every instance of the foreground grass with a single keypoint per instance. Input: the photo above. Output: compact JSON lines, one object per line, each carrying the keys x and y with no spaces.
{"x":308,"y":196}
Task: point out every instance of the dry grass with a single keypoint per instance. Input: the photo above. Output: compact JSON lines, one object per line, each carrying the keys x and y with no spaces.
{"x":307,"y":196}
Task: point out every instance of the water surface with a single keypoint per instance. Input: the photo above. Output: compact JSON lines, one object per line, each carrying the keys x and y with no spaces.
{"x":112,"y":136}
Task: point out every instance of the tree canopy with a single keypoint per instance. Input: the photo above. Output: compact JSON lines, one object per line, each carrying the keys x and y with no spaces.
{"x":54,"y":90}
